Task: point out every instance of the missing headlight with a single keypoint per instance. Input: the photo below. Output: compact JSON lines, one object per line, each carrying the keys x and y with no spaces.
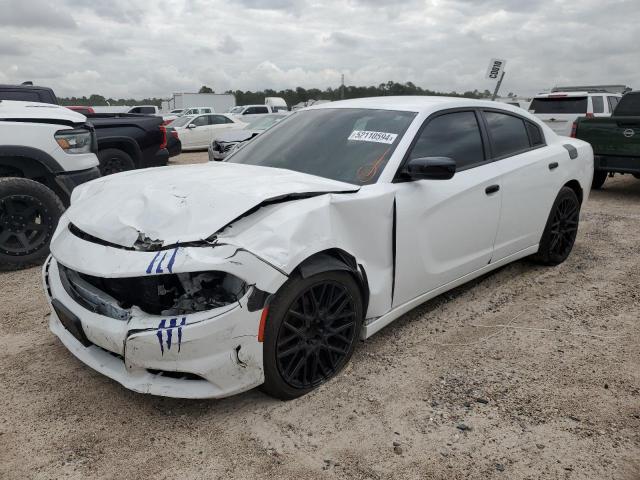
{"x":175,"y":294}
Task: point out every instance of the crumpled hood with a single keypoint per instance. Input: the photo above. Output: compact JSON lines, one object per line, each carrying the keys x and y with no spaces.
{"x":187,"y":203}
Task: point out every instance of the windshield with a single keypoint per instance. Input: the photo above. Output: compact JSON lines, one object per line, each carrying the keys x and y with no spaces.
{"x":559,"y":105}
{"x":236,"y":110}
{"x":181,"y":121}
{"x":263,"y":122}
{"x":349,"y":145}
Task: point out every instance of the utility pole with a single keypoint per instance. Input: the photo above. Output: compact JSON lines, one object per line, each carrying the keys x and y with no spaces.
{"x":342,"y":88}
{"x":495,"y":92}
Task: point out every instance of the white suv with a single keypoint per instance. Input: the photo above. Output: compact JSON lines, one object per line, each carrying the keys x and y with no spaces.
{"x":560,"y":109}
{"x":45,"y":151}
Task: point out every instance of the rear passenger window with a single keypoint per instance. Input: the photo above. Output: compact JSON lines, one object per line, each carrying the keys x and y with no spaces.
{"x":613,"y":101}
{"x":454,"y":135}
{"x":598,"y":104}
{"x":535,"y":134}
{"x":508,"y":134}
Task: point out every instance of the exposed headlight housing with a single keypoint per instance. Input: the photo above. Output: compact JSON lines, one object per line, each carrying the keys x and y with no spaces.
{"x":75,"y":140}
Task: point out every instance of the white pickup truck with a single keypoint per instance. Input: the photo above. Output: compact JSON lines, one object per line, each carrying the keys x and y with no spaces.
{"x":560,"y":109}
{"x":45,"y":151}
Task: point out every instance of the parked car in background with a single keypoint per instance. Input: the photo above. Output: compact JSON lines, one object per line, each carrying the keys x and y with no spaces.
{"x":45,"y":152}
{"x":250,"y":110}
{"x":209,"y":280}
{"x":125,"y":141}
{"x":228,"y":141}
{"x":560,"y":109}
{"x":277,"y":104}
{"x":615,"y":140}
{"x":82,"y":109}
{"x":198,"y":110}
{"x":129,"y":141}
{"x":145,"y":109}
{"x":186,"y":112}
{"x":218,"y":102}
{"x":174,"y":145}
{"x":196,"y":132}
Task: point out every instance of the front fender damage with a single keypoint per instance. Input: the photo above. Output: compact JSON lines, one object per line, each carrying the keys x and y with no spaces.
{"x":360,"y":224}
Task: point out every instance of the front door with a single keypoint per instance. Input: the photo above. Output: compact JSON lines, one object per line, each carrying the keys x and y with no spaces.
{"x":446,"y":228}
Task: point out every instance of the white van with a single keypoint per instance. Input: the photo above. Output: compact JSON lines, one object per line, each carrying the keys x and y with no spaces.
{"x":560,"y":109}
{"x":277,"y":104}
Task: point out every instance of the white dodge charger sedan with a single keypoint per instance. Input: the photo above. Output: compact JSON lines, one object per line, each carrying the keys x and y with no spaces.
{"x":208,"y":280}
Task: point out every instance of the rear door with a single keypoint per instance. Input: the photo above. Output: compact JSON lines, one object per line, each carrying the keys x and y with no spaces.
{"x":560,"y":111}
{"x":531,"y":173}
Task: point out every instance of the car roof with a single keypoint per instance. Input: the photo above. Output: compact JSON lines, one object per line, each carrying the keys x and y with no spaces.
{"x":414,"y":103}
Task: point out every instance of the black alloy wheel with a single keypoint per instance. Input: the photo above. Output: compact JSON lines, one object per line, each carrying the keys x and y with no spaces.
{"x":311,"y":331}
{"x":561,"y":229}
{"x":564,"y":227}
{"x":22,"y":228}
{"x":29,"y":213}
{"x":316,"y":335}
{"x":113,"y":160}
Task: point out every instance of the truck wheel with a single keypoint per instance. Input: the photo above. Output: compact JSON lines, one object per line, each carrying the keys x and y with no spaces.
{"x":113,"y":160}
{"x":599,"y":176}
{"x":561,"y":229}
{"x":29,"y":214}
{"x":311,"y":331}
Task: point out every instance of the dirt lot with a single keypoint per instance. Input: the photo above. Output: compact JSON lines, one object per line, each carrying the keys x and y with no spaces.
{"x":446,"y":392}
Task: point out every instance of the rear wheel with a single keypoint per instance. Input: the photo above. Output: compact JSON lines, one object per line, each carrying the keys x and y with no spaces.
{"x":113,"y":160}
{"x":312,"y":329}
{"x":562,"y":227}
{"x":29,"y":214}
{"x":599,"y":177}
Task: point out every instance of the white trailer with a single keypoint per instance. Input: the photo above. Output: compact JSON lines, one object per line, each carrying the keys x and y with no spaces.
{"x":220,"y":102}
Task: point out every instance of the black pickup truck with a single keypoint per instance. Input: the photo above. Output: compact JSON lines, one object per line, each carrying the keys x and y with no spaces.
{"x":125,"y":141}
{"x":615,"y":140}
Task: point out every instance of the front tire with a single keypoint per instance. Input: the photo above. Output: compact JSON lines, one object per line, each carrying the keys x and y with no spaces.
{"x":29,"y":214}
{"x":599,"y":177}
{"x":113,"y":160}
{"x":311,"y":332}
{"x":561,"y":229}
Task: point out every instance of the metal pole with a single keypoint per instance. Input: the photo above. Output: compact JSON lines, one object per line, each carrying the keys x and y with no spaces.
{"x":342,"y":88}
{"x":495,"y":92}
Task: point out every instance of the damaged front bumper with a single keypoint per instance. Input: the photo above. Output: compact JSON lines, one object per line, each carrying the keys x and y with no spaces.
{"x":205,"y":354}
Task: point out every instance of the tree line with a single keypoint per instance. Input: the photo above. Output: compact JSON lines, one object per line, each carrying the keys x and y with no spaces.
{"x":292,"y":96}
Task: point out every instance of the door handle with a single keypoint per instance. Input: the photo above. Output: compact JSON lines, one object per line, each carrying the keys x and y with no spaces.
{"x":553,"y":165}
{"x":491,"y":189}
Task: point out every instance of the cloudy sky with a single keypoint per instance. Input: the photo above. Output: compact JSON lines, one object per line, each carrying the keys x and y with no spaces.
{"x":140,"y":48}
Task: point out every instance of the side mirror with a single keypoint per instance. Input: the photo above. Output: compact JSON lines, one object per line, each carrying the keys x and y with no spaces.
{"x":430,"y":168}
{"x":191,"y":125}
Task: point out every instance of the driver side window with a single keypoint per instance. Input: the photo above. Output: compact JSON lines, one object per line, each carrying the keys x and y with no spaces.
{"x":455,"y":135}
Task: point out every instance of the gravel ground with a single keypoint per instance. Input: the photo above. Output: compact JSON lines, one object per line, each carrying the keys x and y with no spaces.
{"x":446,"y":392}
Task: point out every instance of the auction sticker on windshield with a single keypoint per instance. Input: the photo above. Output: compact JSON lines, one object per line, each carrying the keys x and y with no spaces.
{"x":369,"y":136}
